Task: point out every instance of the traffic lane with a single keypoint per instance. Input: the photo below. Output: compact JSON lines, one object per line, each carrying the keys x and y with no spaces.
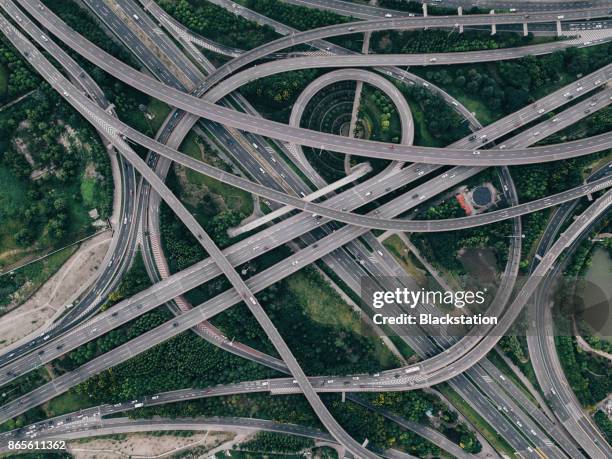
{"x":305,"y":137}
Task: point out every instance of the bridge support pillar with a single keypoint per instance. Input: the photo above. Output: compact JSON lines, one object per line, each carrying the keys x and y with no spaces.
{"x":493,"y":26}
{"x":343,"y":397}
{"x":460,"y":13}
{"x":558,"y":28}
{"x":525,"y":29}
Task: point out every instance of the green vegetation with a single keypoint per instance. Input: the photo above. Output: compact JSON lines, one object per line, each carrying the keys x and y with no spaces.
{"x":442,"y":41}
{"x":112,"y":339}
{"x":378,"y":115}
{"x":305,"y":302}
{"x":46,"y":153}
{"x":444,"y":247}
{"x":4,"y":76}
{"x":183,"y":361}
{"x":16,"y":77}
{"x":218,"y":24}
{"x":68,"y":402}
{"x":274,"y":95}
{"x":427,"y":409}
{"x":22,"y":385}
{"x":408,"y":261}
{"x":590,"y":377}
{"x":287,"y":408}
{"x":19,"y":285}
{"x":514,"y":346}
{"x":417,"y":7}
{"x":298,"y":17}
{"x":360,"y":423}
{"x":158,"y":111}
{"x":604,"y":423}
{"x":480,"y":424}
{"x":271,"y":442}
{"x":506,"y":86}
{"x":436,"y":123}
{"x":217,"y":195}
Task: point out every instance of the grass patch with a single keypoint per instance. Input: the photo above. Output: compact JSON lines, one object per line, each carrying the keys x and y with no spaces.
{"x":324,"y":305}
{"x":234,"y":198}
{"x":67,"y":403}
{"x":494,"y":357}
{"x":482,"y":426}
{"x":421,"y":135}
{"x":88,"y":191}
{"x":160,"y":111}
{"x":20,"y":285}
{"x":482,"y":113}
{"x":402,"y":254}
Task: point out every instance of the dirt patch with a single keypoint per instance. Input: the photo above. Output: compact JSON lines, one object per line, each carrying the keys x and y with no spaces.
{"x":69,"y":138}
{"x":23,"y":149}
{"x":143,"y":445}
{"x":80,"y":270}
{"x":90,"y":171}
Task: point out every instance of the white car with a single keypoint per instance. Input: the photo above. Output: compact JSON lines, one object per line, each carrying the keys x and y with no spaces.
{"x":388,"y":15}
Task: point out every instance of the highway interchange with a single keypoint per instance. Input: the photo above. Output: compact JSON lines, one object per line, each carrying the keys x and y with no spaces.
{"x":222,"y":261}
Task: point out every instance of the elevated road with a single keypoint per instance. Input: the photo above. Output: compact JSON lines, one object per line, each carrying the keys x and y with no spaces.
{"x":405,"y":23}
{"x":307,"y":137}
{"x":389,"y":89}
{"x":443,"y":178}
{"x":241,"y":78}
{"x":240,"y":286}
{"x":353,"y":219}
{"x":540,"y":340}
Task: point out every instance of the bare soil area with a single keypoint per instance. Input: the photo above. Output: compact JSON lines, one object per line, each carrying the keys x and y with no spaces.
{"x":80,"y":270}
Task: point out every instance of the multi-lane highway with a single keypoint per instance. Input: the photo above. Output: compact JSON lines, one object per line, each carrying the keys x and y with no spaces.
{"x":512,"y":152}
{"x":307,"y":137}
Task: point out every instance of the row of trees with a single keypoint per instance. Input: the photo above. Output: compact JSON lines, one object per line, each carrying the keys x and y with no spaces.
{"x":218,"y":24}
{"x":590,"y":377}
{"x":506,"y":86}
{"x":19,"y":76}
{"x":444,"y":247}
{"x":443,"y":41}
{"x":298,"y":17}
{"x":417,"y":8}
{"x":272,"y":442}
